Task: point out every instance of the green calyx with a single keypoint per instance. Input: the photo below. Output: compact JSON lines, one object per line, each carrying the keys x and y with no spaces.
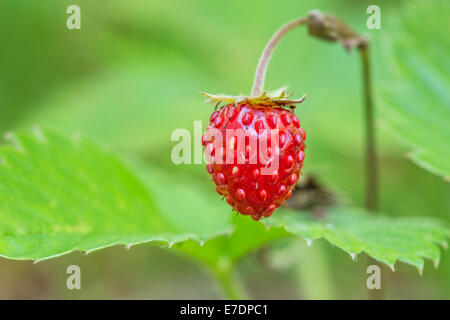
{"x":277,"y":98}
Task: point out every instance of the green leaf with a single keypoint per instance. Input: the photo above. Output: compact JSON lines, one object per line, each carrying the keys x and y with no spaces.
{"x":222,"y":252}
{"x":59,"y":194}
{"x":416,"y":97}
{"x":354,"y":230}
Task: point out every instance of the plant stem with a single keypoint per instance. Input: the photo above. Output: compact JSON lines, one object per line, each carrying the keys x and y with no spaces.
{"x":230,"y":285}
{"x":313,"y":272}
{"x":371,"y":158}
{"x":260,"y":74}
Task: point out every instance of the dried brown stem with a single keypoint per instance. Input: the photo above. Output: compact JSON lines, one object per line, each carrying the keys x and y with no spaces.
{"x":260,"y":74}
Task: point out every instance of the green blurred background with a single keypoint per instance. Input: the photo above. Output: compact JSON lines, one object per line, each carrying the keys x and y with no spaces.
{"x":133,"y":74}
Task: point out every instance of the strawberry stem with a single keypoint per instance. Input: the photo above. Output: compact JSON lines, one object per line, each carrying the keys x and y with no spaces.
{"x":230,"y":285}
{"x":260,"y":74}
{"x":371,"y":157}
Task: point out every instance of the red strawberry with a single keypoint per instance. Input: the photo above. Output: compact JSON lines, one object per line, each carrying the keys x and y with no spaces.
{"x":254,"y":172}
{"x":243,"y":184}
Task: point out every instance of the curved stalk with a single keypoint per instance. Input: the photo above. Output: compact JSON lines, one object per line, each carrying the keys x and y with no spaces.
{"x":260,"y":74}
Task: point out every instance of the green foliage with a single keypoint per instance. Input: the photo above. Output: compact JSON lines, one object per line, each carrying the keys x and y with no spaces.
{"x":355,"y":230}
{"x":223,"y":252}
{"x":416,"y":95}
{"x":60,"y":194}
{"x":133,"y":74}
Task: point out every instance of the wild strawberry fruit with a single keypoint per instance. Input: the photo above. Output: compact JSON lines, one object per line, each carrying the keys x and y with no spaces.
{"x":247,"y":177}
{"x":254,"y":144}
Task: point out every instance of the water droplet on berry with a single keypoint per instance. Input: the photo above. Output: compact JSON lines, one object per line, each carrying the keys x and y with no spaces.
{"x":286,"y":119}
{"x":298,"y":139}
{"x":275,"y":176}
{"x":295,"y":121}
{"x":230,"y":201}
{"x":204,"y":141}
{"x":240,"y":194}
{"x":219,"y":191}
{"x":303,"y":133}
{"x":221,"y":178}
{"x":214,"y":116}
{"x":281,"y":189}
{"x":247,"y":118}
{"x":262,"y":195}
{"x":272,"y":121}
{"x":289,"y":161}
{"x":301,"y":156}
{"x":269,"y":210}
{"x":218,"y":122}
{"x":259,"y":125}
{"x":249,"y":210}
{"x":289,"y":194}
{"x":292,"y":179}
{"x":232,"y":114}
{"x":282,"y":138}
